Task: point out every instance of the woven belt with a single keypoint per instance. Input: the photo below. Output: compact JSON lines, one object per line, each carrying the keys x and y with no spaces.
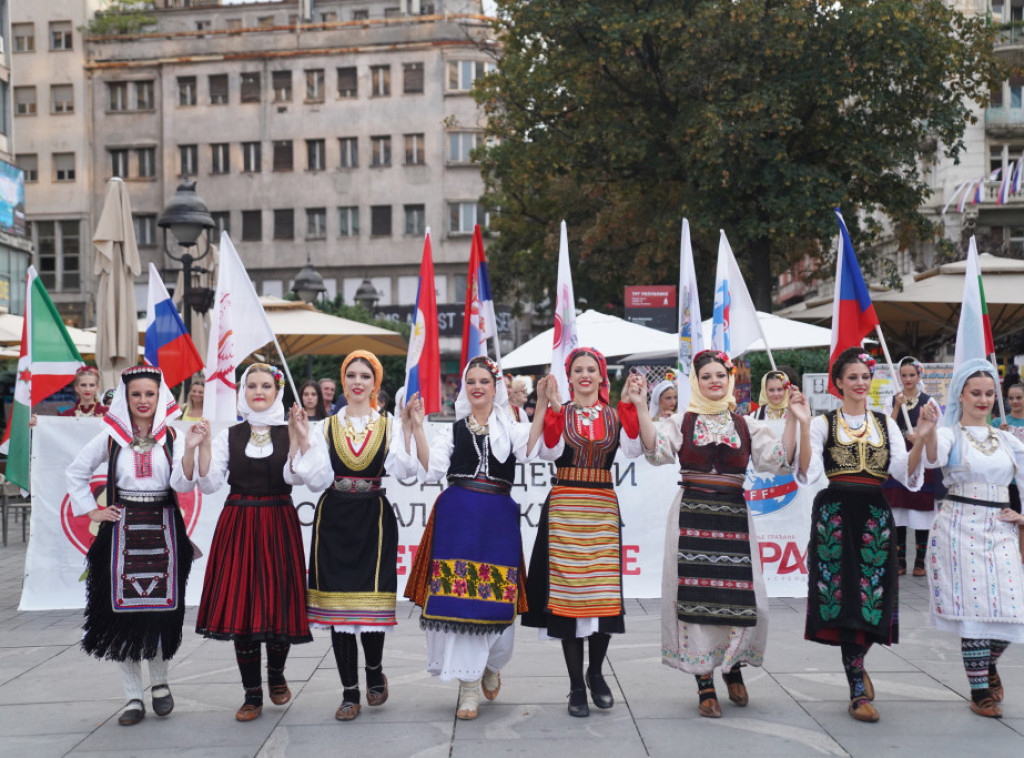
{"x":480,"y":484}
{"x":869,"y":482}
{"x":996,"y":493}
{"x":356,"y":485}
{"x":576,"y":475}
{"x":142,"y":496}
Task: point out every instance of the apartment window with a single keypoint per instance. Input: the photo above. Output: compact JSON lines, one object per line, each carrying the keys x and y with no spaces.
{"x":462,"y":217}
{"x":380,"y":81}
{"x":349,"y":152}
{"x":380,"y":220}
{"x":60,"y":35}
{"x":252,"y":226}
{"x":360,"y":15}
{"x":282,"y":83}
{"x":144,"y":95}
{"x":117,"y":96}
{"x":251,"y":159}
{"x":63,"y":167}
{"x":462,"y":74}
{"x":315,"y":155}
{"x":71,"y":255}
{"x":145,"y":229}
{"x":250,"y":87}
{"x":119,"y":163}
{"x":380,"y":151}
{"x":220,"y":158}
{"x":392,"y":12}
{"x":59,"y":254}
{"x":415,"y":220}
{"x":283,"y":155}
{"x":202,"y":26}
{"x":62,"y":98}
{"x":316,"y":223}
{"x":461,"y":145}
{"x":188,"y":160}
{"x":284,"y":224}
{"x":234,"y":24}
{"x":996,"y":96}
{"x":46,"y":252}
{"x":24,"y":101}
{"x":414,"y":150}
{"x":146,"y":157}
{"x":412,"y":78}
{"x":348,"y":82}
{"x":348,"y":221}
{"x":186,"y":90}
{"x":29,"y":163}
{"x":329,"y":16}
{"x":314,"y":85}
{"x":265,"y":22}
{"x":24,"y":37}
{"x":221,"y":221}
{"x":218,"y":89}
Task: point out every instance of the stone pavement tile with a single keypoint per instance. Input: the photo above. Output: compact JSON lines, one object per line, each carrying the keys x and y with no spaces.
{"x":918,"y":729}
{"x":744,"y":735}
{"x":223,"y":668}
{"x":15,"y":661}
{"x":551,"y":747}
{"x":56,"y":745}
{"x":174,"y":752}
{"x":542,"y":721}
{"x":427,"y":740}
{"x":69,"y":676}
{"x":75,"y":717}
{"x":889,"y":686}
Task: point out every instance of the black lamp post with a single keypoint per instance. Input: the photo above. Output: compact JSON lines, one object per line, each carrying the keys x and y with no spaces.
{"x":367,"y":295}
{"x":308,"y":285}
{"x":187,"y":217}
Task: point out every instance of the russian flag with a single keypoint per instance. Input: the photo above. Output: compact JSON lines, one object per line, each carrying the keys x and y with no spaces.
{"x":168,"y":345}
{"x":478,"y":323}
{"x":423,"y":364}
{"x":853,"y":313}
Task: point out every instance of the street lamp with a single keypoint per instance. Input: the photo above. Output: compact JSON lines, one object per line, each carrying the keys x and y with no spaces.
{"x":367,"y":295}
{"x":308,"y":285}
{"x":187,"y":217}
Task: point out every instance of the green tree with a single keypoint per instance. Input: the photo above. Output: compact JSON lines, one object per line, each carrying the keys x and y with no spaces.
{"x":121,"y":17}
{"x":755,"y":116}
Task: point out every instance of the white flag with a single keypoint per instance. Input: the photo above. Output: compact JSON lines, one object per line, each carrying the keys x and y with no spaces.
{"x":735,"y":326}
{"x":691,"y":340}
{"x":566,"y":339}
{"x":238,"y":327}
{"x":974,"y":332}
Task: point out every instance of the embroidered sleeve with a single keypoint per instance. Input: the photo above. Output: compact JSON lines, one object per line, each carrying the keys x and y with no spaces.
{"x":767,"y":452}
{"x":313,"y":468}
{"x":706,"y":433}
{"x":668,"y":441}
{"x":554,"y":425}
{"x":629,"y":419}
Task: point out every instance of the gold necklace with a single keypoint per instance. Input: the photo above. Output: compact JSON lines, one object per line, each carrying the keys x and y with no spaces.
{"x":260,"y":439}
{"x":358,"y":438}
{"x":911,"y":403}
{"x":475,"y":426}
{"x":860,"y":432}
{"x":987,"y":446}
{"x":774,"y":414}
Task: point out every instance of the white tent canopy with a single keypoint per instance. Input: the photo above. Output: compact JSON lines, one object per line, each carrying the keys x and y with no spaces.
{"x":618,"y":338}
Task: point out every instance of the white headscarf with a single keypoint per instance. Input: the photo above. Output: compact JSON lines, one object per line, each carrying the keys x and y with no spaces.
{"x":119,"y":419}
{"x":655,"y":405}
{"x":917,"y":365}
{"x":956,"y":385}
{"x":498,"y":423}
{"x":274,"y":415}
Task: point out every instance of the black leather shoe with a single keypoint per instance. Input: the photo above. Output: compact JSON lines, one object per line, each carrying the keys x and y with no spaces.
{"x":578,"y":703}
{"x":133,"y":714}
{"x":162,"y":704}
{"x":600,"y":693}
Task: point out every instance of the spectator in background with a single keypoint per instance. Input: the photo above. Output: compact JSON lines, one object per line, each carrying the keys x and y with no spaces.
{"x":312,"y":400}
{"x":329,"y":389}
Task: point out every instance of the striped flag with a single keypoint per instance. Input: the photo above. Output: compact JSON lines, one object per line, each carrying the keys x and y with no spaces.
{"x":168,"y":345}
{"x":974,"y":332}
{"x":691,"y":340}
{"x":479,"y":322}
{"x":1017,"y":175}
{"x":423,"y":364}
{"x":47,"y":363}
{"x":965,"y":197}
{"x":734,"y":323}
{"x":565,"y":338}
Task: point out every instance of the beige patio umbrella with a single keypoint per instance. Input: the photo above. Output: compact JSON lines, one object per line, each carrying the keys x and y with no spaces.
{"x":926,"y":313}
{"x":115,"y":266}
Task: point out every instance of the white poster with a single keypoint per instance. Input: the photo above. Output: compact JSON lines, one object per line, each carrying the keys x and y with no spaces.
{"x":56,"y":553}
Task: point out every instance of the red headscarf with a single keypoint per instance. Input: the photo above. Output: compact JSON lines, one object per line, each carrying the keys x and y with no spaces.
{"x":602,"y":366}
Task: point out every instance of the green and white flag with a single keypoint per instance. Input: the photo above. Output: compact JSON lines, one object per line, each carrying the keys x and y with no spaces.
{"x":47,"y":362}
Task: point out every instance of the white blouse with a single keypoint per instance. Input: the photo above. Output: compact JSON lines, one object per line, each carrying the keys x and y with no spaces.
{"x":442,"y":445}
{"x":1004,"y":465}
{"x":898,"y":455}
{"x":767,"y":451}
{"x":217,"y":476}
{"x":96,"y":453}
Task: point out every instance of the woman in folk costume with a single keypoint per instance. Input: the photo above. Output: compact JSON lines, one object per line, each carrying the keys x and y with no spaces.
{"x":913,"y":510}
{"x":773,"y":402}
{"x":87,"y":390}
{"x":974,"y":554}
{"x":714,"y":609}
{"x":255,"y":585}
{"x":664,"y":399}
{"x":354,"y":553}
{"x":851,"y":557}
{"x":140,"y":560}
{"x":574,"y":589}
{"x":468,"y":572}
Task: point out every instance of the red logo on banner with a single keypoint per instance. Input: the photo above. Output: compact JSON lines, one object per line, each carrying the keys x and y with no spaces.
{"x":80,"y":530}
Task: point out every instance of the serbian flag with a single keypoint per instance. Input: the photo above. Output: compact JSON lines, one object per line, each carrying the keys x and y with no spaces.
{"x":853,"y":314}
{"x":691,"y":341}
{"x":974,"y":332}
{"x":478,"y":323}
{"x":1004,"y":188}
{"x":423,"y":364}
{"x":965,"y":197}
{"x":565,"y":338}
{"x":734,"y":323}
{"x":168,"y":345}
{"x":1017,"y":175}
{"x":47,"y":363}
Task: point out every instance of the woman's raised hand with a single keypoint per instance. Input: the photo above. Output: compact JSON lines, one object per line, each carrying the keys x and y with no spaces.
{"x":412,"y":414}
{"x":196,"y":434}
{"x":799,"y":406}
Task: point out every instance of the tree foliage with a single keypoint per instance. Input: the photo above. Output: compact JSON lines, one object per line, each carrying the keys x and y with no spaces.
{"x":121,"y":17}
{"x":755,"y":116}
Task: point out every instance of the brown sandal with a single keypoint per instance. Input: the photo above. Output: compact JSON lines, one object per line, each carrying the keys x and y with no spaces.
{"x":347,"y":711}
{"x":988,"y":707}
{"x":862,"y":710}
{"x":709,"y":707}
{"x":378,"y":695}
{"x":248,"y":712}
{"x":280,"y":694}
{"x":995,"y":686}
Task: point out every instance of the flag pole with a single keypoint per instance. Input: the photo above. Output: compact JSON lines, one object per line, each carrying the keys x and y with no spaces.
{"x":287,"y":372}
{"x":999,"y":386}
{"x":892,"y":373}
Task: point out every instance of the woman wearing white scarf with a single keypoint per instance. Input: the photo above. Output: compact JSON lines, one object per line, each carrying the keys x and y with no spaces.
{"x":131,"y":616}
{"x":974,"y":555}
{"x":671,"y":400}
{"x":255,"y":586}
{"x":468,"y":574}
{"x":714,"y":606}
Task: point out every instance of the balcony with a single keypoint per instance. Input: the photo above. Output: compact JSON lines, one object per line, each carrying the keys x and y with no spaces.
{"x":1009,"y":43}
{"x":1004,"y":122}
